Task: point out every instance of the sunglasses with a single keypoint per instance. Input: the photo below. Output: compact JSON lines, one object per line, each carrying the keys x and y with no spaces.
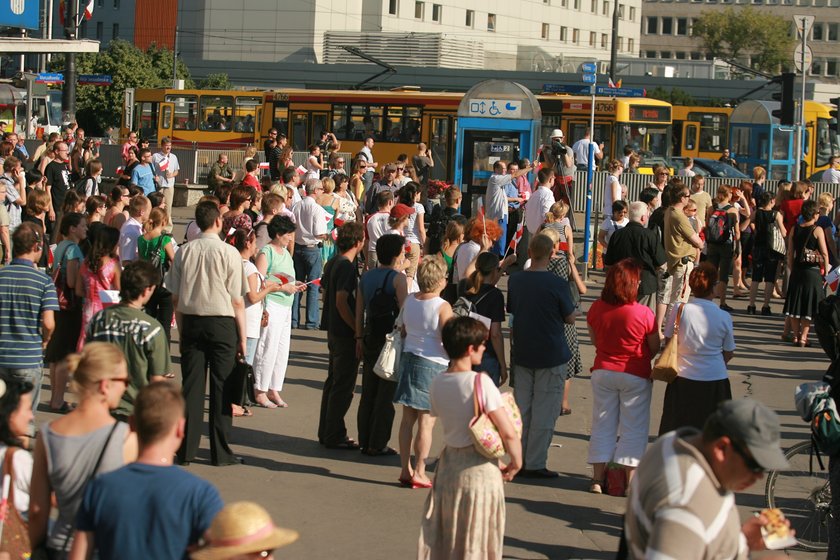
{"x":749,"y":461}
{"x":124,"y":380}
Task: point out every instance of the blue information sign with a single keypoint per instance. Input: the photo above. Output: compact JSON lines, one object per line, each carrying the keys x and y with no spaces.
{"x":20,"y":13}
{"x":588,"y":78}
{"x":619,"y":92}
{"x":564,"y":88}
{"x":50,"y":78}
{"x":588,"y":67}
{"x":95,"y":80}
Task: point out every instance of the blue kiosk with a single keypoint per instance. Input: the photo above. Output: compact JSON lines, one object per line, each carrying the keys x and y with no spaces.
{"x":497,"y":120}
{"x":757,"y":138}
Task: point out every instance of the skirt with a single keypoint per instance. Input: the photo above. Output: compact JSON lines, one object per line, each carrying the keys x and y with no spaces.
{"x":68,"y":326}
{"x":690,"y":403}
{"x":464,"y":515}
{"x":414,"y":381}
{"x":805,"y":292}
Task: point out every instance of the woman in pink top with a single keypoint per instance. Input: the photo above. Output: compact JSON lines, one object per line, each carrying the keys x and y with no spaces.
{"x":100,"y":271}
{"x":626,"y":338}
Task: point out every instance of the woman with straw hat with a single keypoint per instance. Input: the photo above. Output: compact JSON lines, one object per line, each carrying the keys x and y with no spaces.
{"x":242,"y":531}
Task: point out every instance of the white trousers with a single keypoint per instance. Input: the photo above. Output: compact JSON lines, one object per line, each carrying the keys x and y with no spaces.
{"x":620,"y":409}
{"x":272,"y":357}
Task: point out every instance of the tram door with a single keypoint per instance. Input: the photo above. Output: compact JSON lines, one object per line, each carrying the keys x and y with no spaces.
{"x":306,"y":128}
{"x":689,"y":140}
{"x":442,"y":144}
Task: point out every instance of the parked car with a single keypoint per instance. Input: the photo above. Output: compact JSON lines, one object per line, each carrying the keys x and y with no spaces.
{"x":709,"y":168}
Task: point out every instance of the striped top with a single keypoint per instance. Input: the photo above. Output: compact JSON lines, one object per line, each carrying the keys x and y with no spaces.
{"x":678,"y":509}
{"x":25,"y":292}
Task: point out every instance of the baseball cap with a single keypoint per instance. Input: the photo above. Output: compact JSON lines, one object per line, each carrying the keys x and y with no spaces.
{"x":401,"y":211}
{"x":557,"y":133}
{"x":752,"y":424}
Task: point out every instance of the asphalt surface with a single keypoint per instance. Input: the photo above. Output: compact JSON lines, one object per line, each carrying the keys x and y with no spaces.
{"x":346,"y":505}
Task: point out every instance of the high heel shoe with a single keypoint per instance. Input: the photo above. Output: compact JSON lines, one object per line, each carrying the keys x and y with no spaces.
{"x":751,"y":310}
{"x":765,"y":311}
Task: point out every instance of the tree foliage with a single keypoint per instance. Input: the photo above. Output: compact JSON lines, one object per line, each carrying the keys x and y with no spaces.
{"x":743,"y":34}
{"x":674,"y":96}
{"x":98,"y":107}
{"x":216,"y":81}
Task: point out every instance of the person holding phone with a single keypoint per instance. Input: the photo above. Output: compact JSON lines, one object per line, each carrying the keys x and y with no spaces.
{"x":423,"y":163}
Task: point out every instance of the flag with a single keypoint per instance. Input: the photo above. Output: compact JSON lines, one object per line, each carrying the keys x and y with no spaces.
{"x":833,"y":278}
{"x":316,"y":282}
{"x":610,"y":83}
{"x":284,"y":278}
{"x":89,"y":10}
{"x":618,"y":85}
{"x":514,"y":243}
{"x":334,"y":234}
{"x":109,"y":297}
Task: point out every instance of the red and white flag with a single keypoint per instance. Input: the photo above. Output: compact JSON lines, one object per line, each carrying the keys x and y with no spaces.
{"x":610,"y":83}
{"x":89,"y":9}
{"x":284,"y":278}
{"x":514,"y":243}
{"x":316,"y":282}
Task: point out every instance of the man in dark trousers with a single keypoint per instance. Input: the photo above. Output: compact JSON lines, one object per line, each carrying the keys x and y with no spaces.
{"x":636,"y":241}
{"x":208,"y":287}
{"x":339,"y":282}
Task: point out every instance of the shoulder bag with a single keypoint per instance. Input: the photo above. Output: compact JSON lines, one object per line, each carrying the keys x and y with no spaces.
{"x":775,"y":239}
{"x":806,"y":255}
{"x":666,"y":367}
{"x":388,"y":363}
{"x":486,"y":438}
{"x":15,"y":539}
{"x":66,"y":296}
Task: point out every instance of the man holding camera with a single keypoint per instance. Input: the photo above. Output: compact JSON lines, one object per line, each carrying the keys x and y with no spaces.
{"x":557,"y":155}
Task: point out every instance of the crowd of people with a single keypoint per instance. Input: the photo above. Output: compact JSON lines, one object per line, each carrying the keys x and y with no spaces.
{"x":96,"y":282}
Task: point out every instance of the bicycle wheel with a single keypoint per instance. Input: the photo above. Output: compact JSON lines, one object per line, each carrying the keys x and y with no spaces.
{"x":803,"y":496}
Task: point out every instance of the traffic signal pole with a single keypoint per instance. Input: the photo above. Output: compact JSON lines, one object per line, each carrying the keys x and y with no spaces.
{"x":68,"y":93}
{"x":800,"y":130}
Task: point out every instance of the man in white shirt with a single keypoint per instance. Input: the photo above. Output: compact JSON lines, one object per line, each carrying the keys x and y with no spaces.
{"x":535,"y":210}
{"x":377,"y":225}
{"x":166,"y":168}
{"x":688,"y":170}
{"x":372,"y":164}
{"x":832,"y":174}
{"x":581,"y":150}
{"x":496,"y":201}
{"x":311,"y":220}
{"x":138,"y":213}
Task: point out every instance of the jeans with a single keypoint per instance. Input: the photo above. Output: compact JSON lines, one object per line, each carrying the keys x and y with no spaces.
{"x":34,"y":375}
{"x":308,"y":267}
{"x":539,"y":396}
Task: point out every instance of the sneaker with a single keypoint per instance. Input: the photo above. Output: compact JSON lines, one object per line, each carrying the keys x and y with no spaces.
{"x":766,"y":311}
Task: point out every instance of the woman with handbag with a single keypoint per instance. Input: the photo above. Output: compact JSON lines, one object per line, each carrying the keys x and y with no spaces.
{"x":768,"y":239}
{"x":68,"y":319}
{"x":626,"y":338}
{"x":423,"y":358}
{"x":465,"y":511}
{"x":705,"y":344}
{"x":379,"y":297}
{"x":807,"y":252}
{"x":86,"y":442}
{"x":271,"y":359}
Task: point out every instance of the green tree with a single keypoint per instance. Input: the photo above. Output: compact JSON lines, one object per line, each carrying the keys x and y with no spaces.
{"x":746,"y":33}
{"x":98,"y":107}
{"x":216,"y":81}
{"x":674,"y":96}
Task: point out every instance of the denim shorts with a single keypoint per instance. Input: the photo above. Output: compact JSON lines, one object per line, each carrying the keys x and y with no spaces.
{"x":415,"y":380}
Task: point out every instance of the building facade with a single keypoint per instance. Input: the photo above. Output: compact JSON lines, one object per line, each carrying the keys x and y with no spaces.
{"x":666,"y":28}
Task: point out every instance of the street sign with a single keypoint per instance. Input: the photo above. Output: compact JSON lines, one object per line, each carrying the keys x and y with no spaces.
{"x":95,"y":80}
{"x":797,"y":58}
{"x":564,"y":88}
{"x":619,"y":92}
{"x":496,"y":108}
{"x":588,"y":78}
{"x":50,"y":78}
{"x":803,"y":24}
{"x":588,"y":68}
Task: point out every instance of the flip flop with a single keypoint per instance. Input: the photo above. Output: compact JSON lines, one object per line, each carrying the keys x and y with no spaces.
{"x":269,"y":404}
{"x":281,"y":404}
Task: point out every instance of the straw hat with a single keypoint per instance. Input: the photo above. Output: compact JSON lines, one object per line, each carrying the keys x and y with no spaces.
{"x":242,"y":528}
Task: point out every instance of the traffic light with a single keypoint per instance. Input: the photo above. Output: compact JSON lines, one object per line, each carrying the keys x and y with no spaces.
{"x":835,"y":113}
{"x":786,"y":113}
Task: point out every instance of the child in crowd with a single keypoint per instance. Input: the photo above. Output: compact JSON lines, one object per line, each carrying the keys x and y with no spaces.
{"x":99,"y":271}
{"x":138,"y":212}
{"x":614,"y":223}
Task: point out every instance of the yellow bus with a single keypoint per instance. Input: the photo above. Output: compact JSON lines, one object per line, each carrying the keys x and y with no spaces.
{"x":397,"y":120}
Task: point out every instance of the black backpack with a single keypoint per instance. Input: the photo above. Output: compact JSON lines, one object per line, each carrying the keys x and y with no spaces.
{"x":827,"y":325}
{"x":719,"y":230}
{"x":383,"y":309}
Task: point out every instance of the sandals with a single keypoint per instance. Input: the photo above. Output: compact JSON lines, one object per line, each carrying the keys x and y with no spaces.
{"x":565,"y":411}
{"x":265,"y":404}
{"x":241,"y":411}
{"x":595,"y":488}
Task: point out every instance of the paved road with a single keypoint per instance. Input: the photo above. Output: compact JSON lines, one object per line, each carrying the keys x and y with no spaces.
{"x":349,"y":506}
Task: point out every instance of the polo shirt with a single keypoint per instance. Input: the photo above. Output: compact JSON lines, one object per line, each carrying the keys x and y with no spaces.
{"x":25,"y":293}
{"x":206,"y":275}
{"x":144,"y":177}
{"x":311,"y":220}
{"x":164,"y":163}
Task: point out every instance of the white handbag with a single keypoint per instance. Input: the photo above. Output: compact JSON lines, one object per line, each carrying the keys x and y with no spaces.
{"x":388,"y":363}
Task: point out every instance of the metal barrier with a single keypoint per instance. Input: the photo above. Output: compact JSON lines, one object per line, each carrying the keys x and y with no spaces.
{"x":236,"y":158}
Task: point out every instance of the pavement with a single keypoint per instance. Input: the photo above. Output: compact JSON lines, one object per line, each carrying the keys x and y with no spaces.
{"x":349,"y":506}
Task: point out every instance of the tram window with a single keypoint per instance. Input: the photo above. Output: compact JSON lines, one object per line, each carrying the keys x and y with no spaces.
{"x":712,"y":130}
{"x":402,"y":124}
{"x":280,"y":121}
{"x":357,"y":122}
{"x":690,"y":135}
{"x":186,"y":116}
{"x":216,"y":112}
{"x":824,"y":148}
{"x":741,"y":141}
{"x":147,"y":113}
{"x":246,"y":113}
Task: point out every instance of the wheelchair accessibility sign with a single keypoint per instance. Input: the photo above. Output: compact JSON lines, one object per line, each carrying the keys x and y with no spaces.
{"x":496,"y":108}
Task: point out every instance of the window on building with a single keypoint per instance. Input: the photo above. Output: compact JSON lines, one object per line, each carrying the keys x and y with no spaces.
{"x":83,"y":28}
{"x":547,"y":2}
{"x":115,"y":31}
{"x":99,"y":30}
{"x":817,"y":32}
{"x":619,"y":43}
{"x":577,"y":4}
{"x":667,"y":26}
{"x":665,"y":54}
{"x":491,"y":22}
{"x":470,"y":20}
{"x":681,"y":55}
{"x":419,"y":8}
{"x":682,"y":26}
{"x":696,"y":55}
{"x":832,"y":31}
{"x":631,"y":46}
{"x":592,"y":38}
{"x":817,"y":68}
{"x":632,"y":13}
{"x":564,"y":34}
{"x":603,"y":40}
{"x":594,"y":7}
{"x":564,"y":3}
{"x":437,"y":12}
{"x":621,"y":11}
{"x":393,"y":7}
{"x":545,"y":31}
{"x":831,"y":67}
{"x":576,"y":36}
{"x":652,"y":25}
{"x":606,"y":9}
{"x":650,"y":54}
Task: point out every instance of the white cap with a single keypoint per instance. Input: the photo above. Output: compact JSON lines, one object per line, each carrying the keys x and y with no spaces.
{"x":556,"y":133}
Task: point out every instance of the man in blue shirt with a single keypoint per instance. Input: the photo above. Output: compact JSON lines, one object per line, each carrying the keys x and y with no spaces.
{"x":27,"y":305}
{"x":143,"y":175}
{"x":149,"y":508}
{"x":540,"y":302}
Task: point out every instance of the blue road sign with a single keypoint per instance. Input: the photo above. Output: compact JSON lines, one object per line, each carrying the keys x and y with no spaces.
{"x":589,"y":67}
{"x":95,"y":80}
{"x":20,"y":13}
{"x":50,"y":78}
{"x":588,"y":78}
{"x":564,"y":88}
{"x":619,"y":92}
